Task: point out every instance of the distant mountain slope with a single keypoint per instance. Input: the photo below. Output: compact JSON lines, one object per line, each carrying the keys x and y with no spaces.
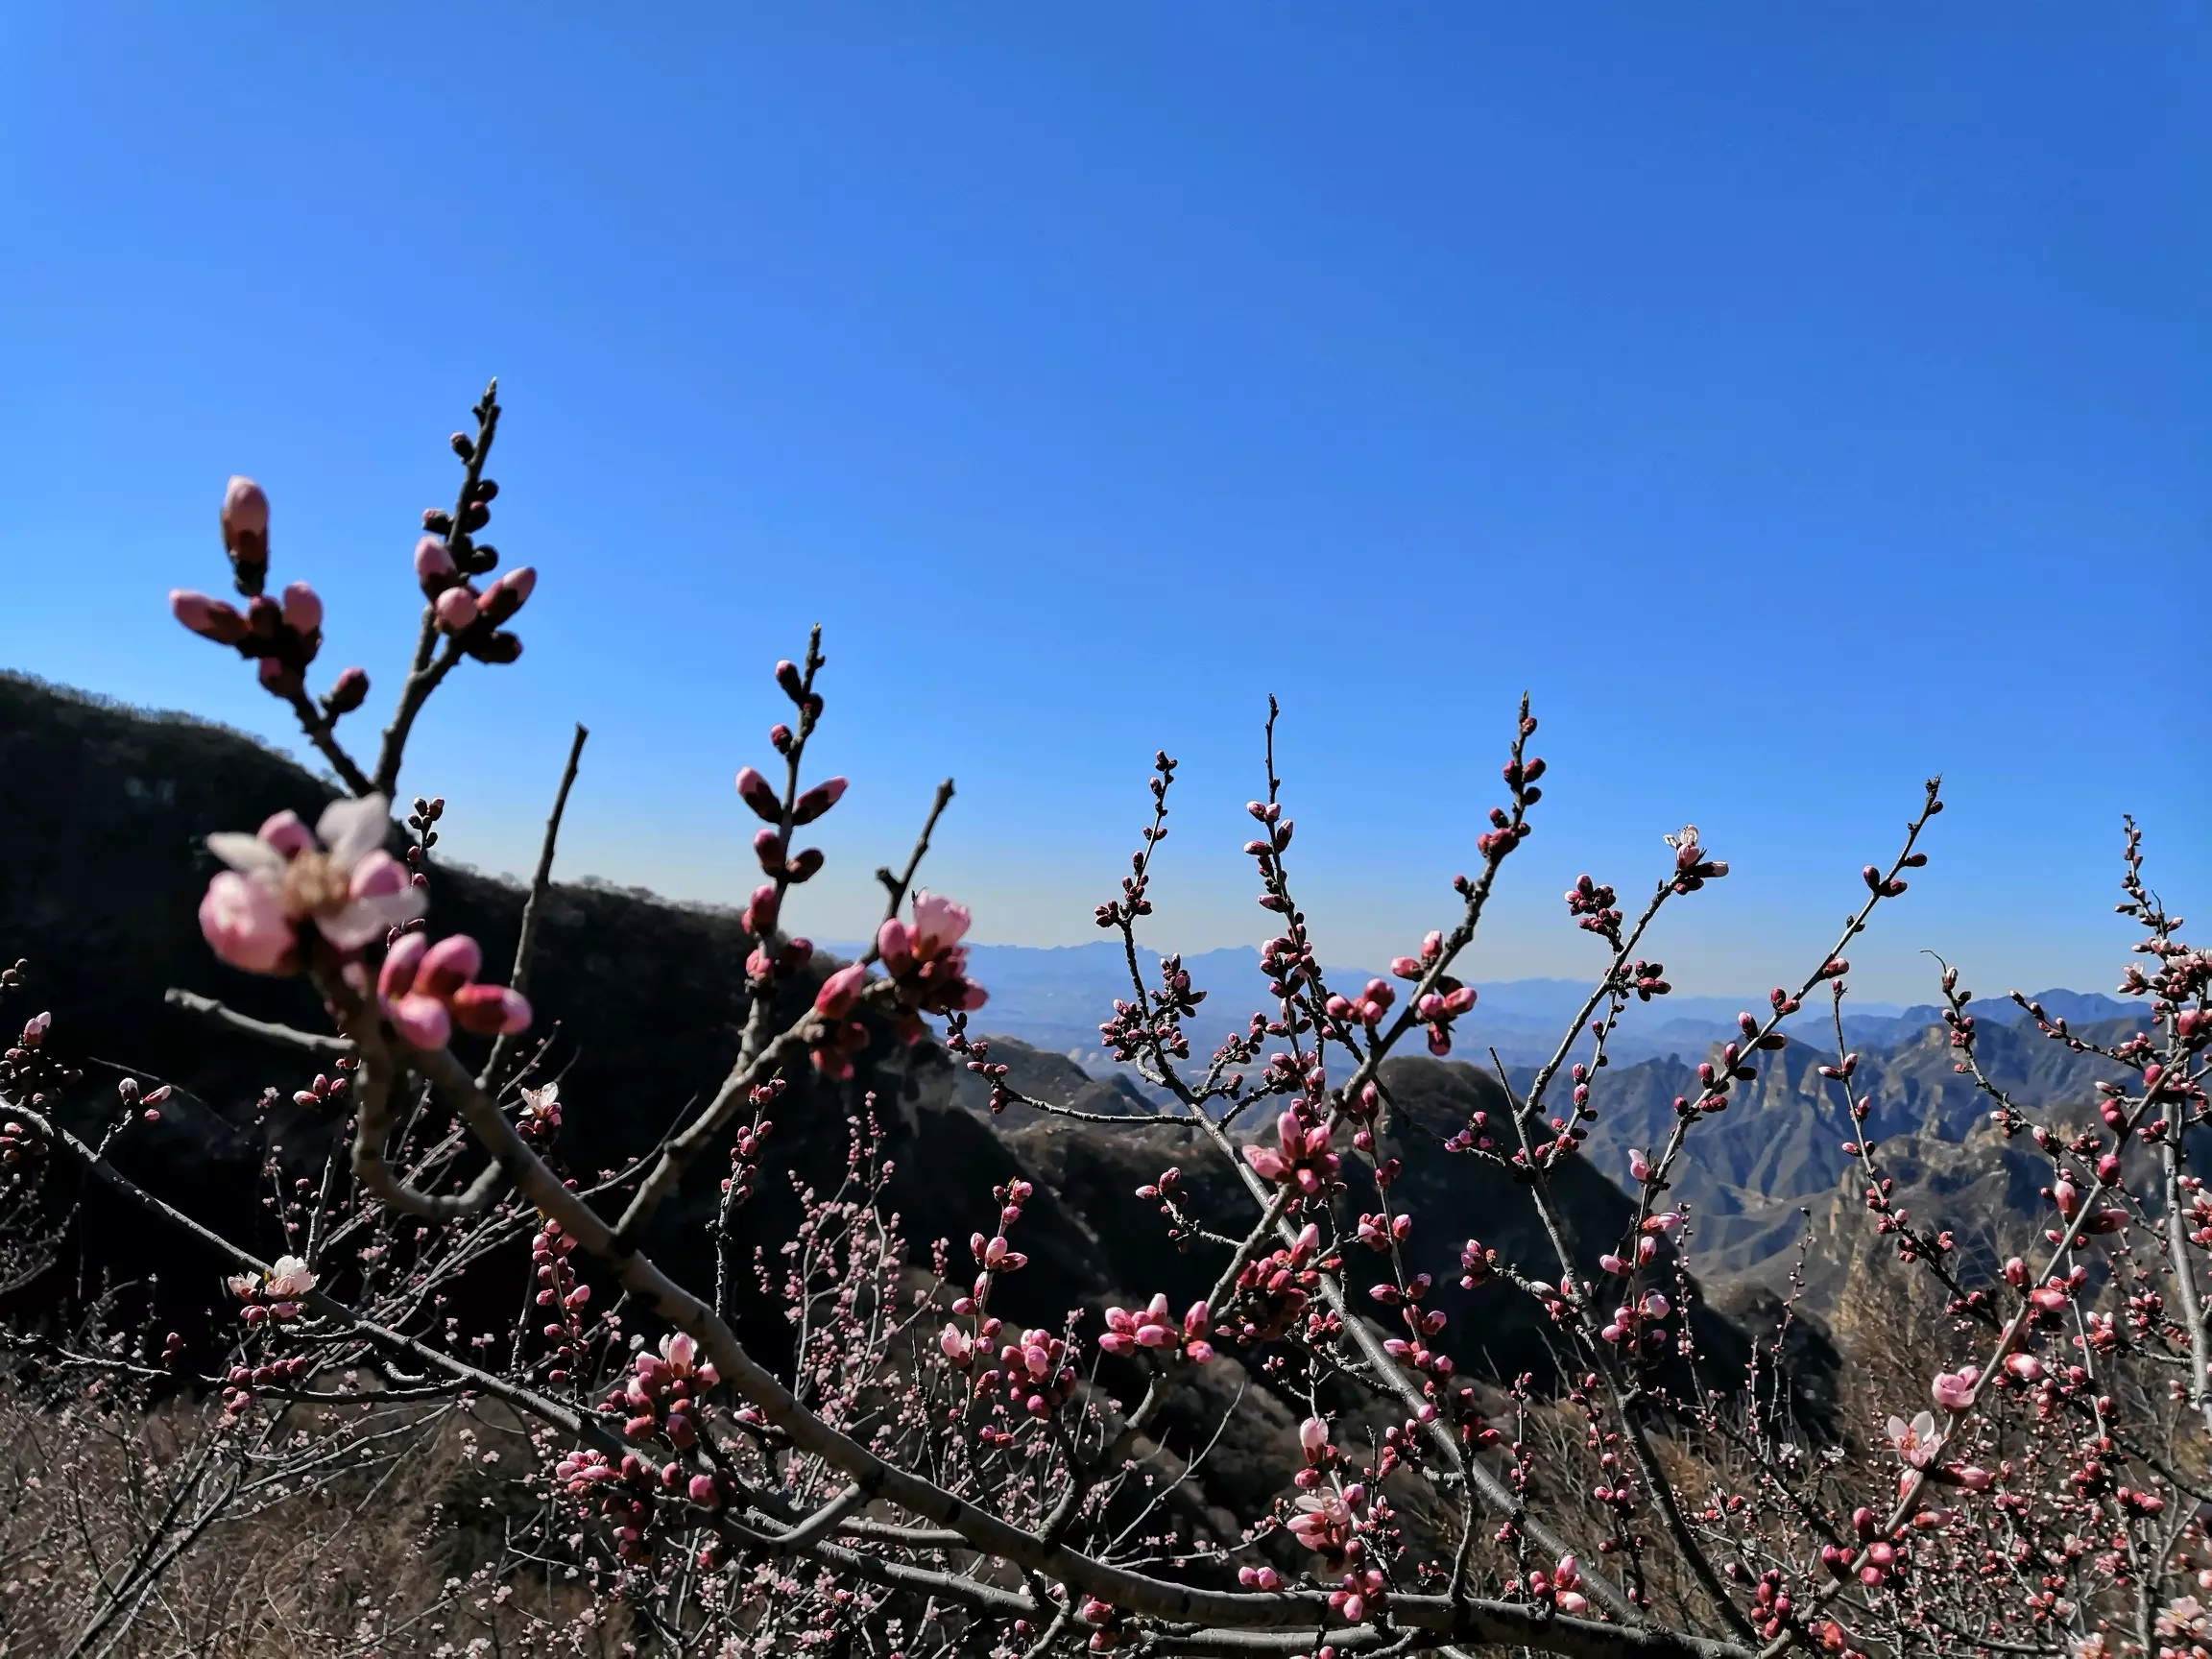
{"x":1055,"y":997}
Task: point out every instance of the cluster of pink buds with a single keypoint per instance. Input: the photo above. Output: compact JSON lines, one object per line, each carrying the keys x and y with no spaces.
{"x":283,"y":876}
{"x":1476,"y":1264}
{"x":1559,"y":1586}
{"x":1369,"y":1008}
{"x":1380,"y":1232}
{"x":664,"y":1392}
{"x":1694,"y":868}
{"x":1105,"y":1621}
{"x":1289,"y":963}
{"x":561,"y":1294}
{"x":239,"y":1384}
{"x":1034,"y":1372}
{"x":764,"y":966}
{"x":2066,"y":1198}
{"x":470,"y":617}
{"x":622,"y":1494}
{"x":283,"y":635}
{"x":274,"y":1294}
{"x":745,"y":1150}
{"x":29,"y":1070}
{"x":324,"y":1089}
{"x":448,"y":556}
{"x":771,"y":845}
{"x":425,"y":990}
{"x":1153,"y":1328}
{"x":1275,"y":1290}
{"x":1641,"y":1317}
{"x":19,"y":1145}
{"x":1166,"y":1192}
{"x":1357,"y":1593}
{"x":1300,"y":1157}
{"x":1646,"y":1247}
{"x":1442,"y":1002}
{"x":928,"y":963}
{"x":1882,"y":1556}
{"x":1593,"y":905}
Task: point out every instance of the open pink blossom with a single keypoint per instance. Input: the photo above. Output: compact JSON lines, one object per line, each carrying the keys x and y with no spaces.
{"x":1300,"y":1156}
{"x":1917,"y":1442}
{"x":1323,"y":1523}
{"x":277,"y":1291}
{"x":927,"y":962}
{"x":338,"y":876}
{"x":425,"y":990}
{"x":1954,"y":1390}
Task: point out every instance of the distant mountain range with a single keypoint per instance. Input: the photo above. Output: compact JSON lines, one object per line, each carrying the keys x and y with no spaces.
{"x":1054,"y":998}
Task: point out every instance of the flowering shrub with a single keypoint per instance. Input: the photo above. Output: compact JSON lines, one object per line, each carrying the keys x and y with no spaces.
{"x":925,"y":1475}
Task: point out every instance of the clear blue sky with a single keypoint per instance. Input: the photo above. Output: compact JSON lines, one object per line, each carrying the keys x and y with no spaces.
{"x":1796,"y":399}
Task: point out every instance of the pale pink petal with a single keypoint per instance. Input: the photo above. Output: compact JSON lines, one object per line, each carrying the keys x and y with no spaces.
{"x":352,"y":829}
{"x":247,"y":853}
{"x":243,"y":920}
{"x":378,"y":876}
{"x":284,"y":832}
{"x":938,"y":923}
{"x":289,"y":1277}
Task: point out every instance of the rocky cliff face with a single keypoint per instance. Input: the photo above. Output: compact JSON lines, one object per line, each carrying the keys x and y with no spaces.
{"x":1752,"y":1171}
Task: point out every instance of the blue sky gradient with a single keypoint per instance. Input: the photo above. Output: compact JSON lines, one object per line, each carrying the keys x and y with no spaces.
{"x":1795,"y":400}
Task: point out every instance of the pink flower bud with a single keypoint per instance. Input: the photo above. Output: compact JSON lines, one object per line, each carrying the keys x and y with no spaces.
{"x":434,"y":567}
{"x":210,"y":618}
{"x":490,"y":1010}
{"x":348,"y":692}
{"x":448,"y":964}
{"x":817,"y":801}
{"x":302,"y":609}
{"x":840,"y":991}
{"x":759,"y":918}
{"x":755,"y":791}
{"x":456,"y":609}
{"x":894,"y":944}
{"x":505,"y":596}
{"x":245,"y":521}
